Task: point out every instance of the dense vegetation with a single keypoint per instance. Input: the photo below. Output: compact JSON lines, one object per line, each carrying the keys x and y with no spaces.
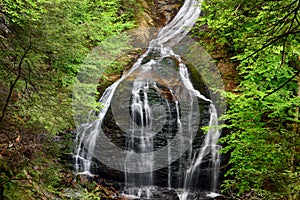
{"x":42,"y":45}
{"x":263,"y":40}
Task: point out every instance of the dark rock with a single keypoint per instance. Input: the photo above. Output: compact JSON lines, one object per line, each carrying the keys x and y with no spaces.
{"x":154,"y":54}
{"x":4,"y":30}
{"x":165,"y":10}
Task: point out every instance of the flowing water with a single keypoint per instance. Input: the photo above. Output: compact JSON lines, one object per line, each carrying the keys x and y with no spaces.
{"x":162,"y":101}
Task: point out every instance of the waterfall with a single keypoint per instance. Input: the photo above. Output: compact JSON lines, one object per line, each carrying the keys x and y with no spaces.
{"x":158,"y":95}
{"x":179,"y":27}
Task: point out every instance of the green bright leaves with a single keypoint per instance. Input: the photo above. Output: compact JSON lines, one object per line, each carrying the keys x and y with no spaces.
{"x":48,"y":42}
{"x":43,"y":44}
{"x":263,"y":38}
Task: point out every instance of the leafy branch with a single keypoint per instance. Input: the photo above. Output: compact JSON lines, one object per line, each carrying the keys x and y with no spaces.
{"x":13,"y":84}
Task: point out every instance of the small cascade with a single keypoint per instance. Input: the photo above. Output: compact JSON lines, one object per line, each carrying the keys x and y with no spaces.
{"x":163,"y":111}
{"x":183,"y":196}
{"x":210,"y":142}
{"x":140,"y":134}
{"x":87,"y":133}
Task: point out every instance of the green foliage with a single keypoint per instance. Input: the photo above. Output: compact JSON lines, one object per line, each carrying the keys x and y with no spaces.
{"x":42,"y":49}
{"x":50,"y":40}
{"x":263,"y":37}
{"x":99,"y":69}
{"x":19,"y":11}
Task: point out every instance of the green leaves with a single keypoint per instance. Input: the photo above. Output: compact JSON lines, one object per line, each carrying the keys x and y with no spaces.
{"x":18,"y":11}
{"x":46,"y":46}
{"x":59,"y":34}
{"x":261,"y":37}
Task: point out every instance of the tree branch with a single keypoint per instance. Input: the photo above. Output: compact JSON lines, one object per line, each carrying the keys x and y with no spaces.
{"x":281,"y":86}
{"x":289,"y":31}
{"x":13,"y":84}
{"x":275,"y":39}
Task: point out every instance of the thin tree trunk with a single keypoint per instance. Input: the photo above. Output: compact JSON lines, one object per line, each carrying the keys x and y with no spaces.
{"x":13,"y":84}
{"x":295,"y":130}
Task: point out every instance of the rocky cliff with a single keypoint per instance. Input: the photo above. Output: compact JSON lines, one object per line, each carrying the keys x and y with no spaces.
{"x":154,"y":15}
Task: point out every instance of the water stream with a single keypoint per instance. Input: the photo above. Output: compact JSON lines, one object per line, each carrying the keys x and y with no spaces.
{"x":161,"y":101}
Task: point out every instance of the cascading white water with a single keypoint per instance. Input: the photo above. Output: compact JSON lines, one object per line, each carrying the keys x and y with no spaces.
{"x":84,"y":153}
{"x":178,"y":28}
{"x":210,"y":142}
{"x":141,"y":133}
{"x":141,"y":127}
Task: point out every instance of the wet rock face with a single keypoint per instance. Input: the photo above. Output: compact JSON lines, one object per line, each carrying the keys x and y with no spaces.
{"x":165,"y":10}
{"x":155,"y":14}
{"x":168,"y":131}
{"x":159,"y":12}
{"x":164,"y":193}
